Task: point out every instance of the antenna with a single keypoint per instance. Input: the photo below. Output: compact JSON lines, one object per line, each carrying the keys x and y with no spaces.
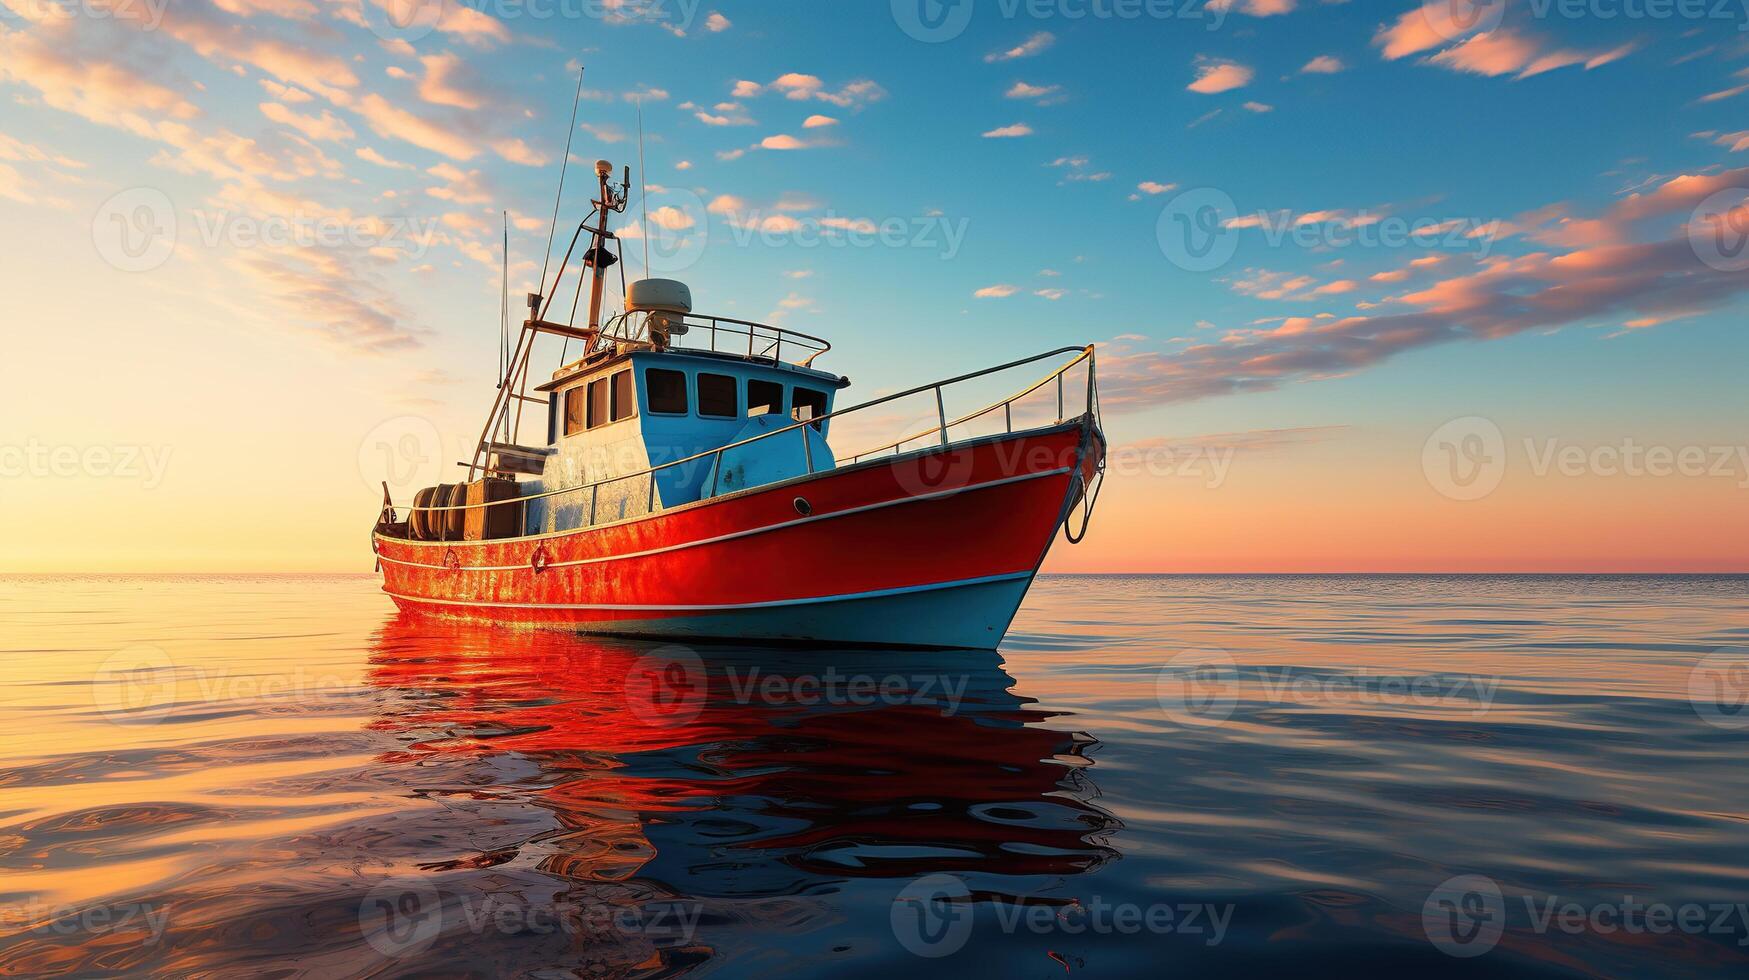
{"x":504,"y":306}
{"x":563,"y":163}
{"x":643,"y":188}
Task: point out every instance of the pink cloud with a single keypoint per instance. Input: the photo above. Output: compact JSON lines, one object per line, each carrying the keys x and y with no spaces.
{"x":388,"y":119}
{"x":1420,"y":29}
{"x":1500,"y":298}
{"x":449,"y":82}
{"x":1215,"y":75}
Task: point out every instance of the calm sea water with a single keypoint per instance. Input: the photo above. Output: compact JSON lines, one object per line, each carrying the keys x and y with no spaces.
{"x":1230,"y":776}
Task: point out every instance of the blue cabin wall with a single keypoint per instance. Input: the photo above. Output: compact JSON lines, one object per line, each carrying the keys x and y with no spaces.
{"x":650,"y":439}
{"x":672,"y":437}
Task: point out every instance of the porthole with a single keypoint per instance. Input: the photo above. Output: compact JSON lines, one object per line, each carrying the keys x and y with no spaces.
{"x":803,"y":507}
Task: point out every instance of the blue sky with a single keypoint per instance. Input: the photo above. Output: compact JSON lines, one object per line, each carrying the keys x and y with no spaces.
{"x":1032,"y":158}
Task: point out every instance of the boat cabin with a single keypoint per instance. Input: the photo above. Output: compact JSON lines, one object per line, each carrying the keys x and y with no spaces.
{"x":638,"y":400}
{"x":618,"y":413}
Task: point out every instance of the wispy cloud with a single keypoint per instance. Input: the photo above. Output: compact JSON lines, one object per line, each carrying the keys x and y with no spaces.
{"x":1645,"y":283}
{"x":1025,"y":49}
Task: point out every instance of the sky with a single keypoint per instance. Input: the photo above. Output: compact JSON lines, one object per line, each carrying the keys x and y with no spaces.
{"x":1376,"y":286}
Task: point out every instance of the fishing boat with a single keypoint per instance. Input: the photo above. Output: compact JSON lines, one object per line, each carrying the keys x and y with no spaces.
{"x":692,"y":482}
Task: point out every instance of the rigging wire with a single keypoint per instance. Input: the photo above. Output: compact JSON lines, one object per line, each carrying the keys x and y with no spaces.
{"x":504,"y":312}
{"x":564,"y":163}
{"x":643,"y":192}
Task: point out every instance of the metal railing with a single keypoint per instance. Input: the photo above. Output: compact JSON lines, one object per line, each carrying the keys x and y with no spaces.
{"x":1090,"y":406}
{"x":727,"y":336}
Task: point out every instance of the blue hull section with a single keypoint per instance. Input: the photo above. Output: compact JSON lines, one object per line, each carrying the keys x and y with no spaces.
{"x":967,"y":615}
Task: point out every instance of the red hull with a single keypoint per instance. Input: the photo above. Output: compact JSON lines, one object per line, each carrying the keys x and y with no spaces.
{"x":952,"y":535}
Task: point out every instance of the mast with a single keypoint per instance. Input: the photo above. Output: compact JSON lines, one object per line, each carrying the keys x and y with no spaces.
{"x":598,"y":258}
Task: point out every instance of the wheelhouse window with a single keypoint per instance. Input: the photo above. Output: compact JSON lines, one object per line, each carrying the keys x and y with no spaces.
{"x":718,"y":397}
{"x":809,"y":405}
{"x":575,"y":419}
{"x":597,"y":403}
{"x":764,"y":397}
{"x":623,"y":396}
{"x":664,"y":392}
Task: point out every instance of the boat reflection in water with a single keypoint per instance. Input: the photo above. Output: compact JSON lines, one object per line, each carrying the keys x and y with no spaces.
{"x":632,"y":806}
